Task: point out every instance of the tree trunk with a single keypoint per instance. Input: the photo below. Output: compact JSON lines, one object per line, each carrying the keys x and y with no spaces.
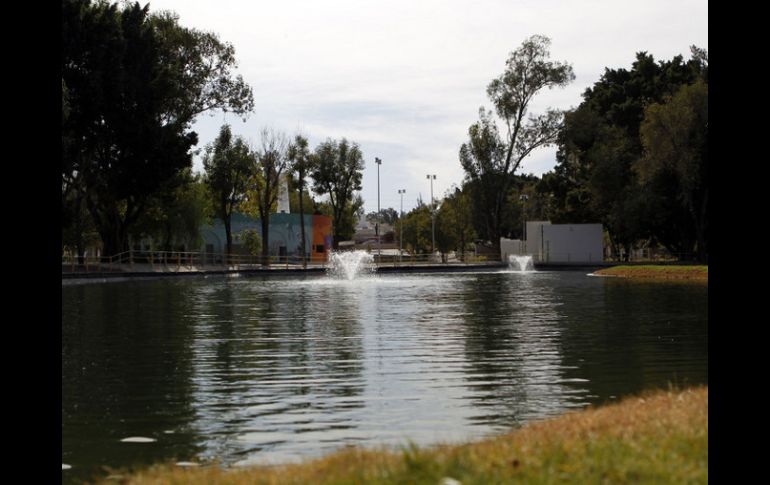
{"x":228,"y":238}
{"x":265,"y":223}
{"x":700,"y":229}
{"x":302,"y":223}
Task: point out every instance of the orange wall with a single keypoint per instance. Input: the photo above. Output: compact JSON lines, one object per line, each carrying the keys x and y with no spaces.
{"x":322,"y":235}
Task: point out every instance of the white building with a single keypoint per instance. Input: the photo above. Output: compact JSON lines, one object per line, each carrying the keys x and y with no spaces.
{"x":557,"y":243}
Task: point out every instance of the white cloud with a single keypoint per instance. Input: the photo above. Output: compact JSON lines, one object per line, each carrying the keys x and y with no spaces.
{"x":405,"y":78}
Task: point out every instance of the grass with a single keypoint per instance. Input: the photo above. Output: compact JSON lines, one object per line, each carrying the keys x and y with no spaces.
{"x":656,"y":437}
{"x":680,"y":272}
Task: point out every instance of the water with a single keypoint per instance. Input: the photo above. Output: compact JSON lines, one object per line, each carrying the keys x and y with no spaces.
{"x":273,"y":369}
{"x":520,"y":263}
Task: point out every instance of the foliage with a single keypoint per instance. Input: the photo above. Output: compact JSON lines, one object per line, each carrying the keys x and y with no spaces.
{"x":337,"y":173}
{"x":175,"y":214}
{"x":301,"y":162}
{"x":489,"y":159}
{"x":454,"y":223}
{"x":595,"y":179}
{"x":674,"y":135}
{"x":132,"y":84}
{"x":229,"y":165}
{"x":251,"y":241}
{"x":268,"y":170}
{"x":345,"y":223}
{"x":416,"y":227}
{"x":386,"y":216}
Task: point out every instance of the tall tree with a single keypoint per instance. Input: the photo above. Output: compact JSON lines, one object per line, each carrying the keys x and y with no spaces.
{"x":301,"y":163}
{"x":675,"y":139}
{"x":174,"y":216}
{"x":271,"y":163}
{"x":134,"y":84}
{"x":337,"y":172}
{"x":600,"y":145}
{"x":455,"y":223}
{"x":229,"y":166}
{"x":490,"y":159}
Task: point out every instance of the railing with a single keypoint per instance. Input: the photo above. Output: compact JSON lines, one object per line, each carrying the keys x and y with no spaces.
{"x":134,"y":261}
{"x":194,"y":261}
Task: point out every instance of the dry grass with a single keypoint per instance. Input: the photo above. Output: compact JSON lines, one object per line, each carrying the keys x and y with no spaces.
{"x":658,"y":437}
{"x":675,"y":272}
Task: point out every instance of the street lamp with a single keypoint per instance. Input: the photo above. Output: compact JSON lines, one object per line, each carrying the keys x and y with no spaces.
{"x":401,"y":233}
{"x":524,"y":198}
{"x":432,"y":217}
{"x":379,"y":248}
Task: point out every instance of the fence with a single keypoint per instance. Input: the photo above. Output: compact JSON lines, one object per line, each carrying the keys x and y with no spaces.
{"x":134,"y":261}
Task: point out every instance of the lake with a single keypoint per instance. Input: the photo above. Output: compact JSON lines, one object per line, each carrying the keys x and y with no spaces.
{"x":269,"y":369}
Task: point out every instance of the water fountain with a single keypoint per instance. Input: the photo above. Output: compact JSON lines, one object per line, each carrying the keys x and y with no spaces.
{"x":349,"y":265}
{"x":520,"y":263}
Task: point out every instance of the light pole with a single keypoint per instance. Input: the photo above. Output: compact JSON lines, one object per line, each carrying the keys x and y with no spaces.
{"x":432,"y":218}
{"x":401,"y":233}
{"x":524,"y":198}
{"x":379,"y":250}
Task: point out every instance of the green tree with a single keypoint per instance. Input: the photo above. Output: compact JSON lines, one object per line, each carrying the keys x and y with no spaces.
{"x":134,"y":84}
{"x":337,"y":172}
{"x":454,"y":223}
{"x":600,"y":145}
{"x":674,"y":135}
{"x":271,"y":163}
{"x":251,"y":241}
{"x":174,"y":216}
{"x":345,"y":224}
{"x":301,"y":163}
{"x":490,"y":159}
{"x":229,"y":165}
{"x":416,"y":227}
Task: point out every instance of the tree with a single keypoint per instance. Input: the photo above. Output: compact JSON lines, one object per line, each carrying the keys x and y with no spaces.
{"x":301,"y":163}
{"x":251,"y":241}
{"x":270,"y":163}
{"x":674,"y":135}
{"x":337,"y":172}
{"x":600,"y":145}
{"x":229,"y":165}
{"x":455,"y":223}
{"x":134,"y":84}
{"x":416,"y":228}
{"x":490,"y":159}
{"x":174,"y":215}
{"x":388,"y":216}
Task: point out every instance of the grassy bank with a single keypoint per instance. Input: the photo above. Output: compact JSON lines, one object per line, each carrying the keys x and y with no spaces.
{"x":677,"y":272}
{"x":657,"y":437}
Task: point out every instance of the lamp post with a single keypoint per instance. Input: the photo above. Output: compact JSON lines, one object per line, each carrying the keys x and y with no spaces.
{"x":401,"y":233}
{"x":524,"y":198}
{"x":379,"y":249}
{"x":432,"y":218}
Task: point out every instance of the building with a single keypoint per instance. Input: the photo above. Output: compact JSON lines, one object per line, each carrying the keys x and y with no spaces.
{"x":285,"y":234}
{"x":557,"y":243}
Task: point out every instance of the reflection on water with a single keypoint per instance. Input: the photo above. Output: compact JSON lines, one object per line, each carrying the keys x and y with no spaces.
{"x":256,"y":370}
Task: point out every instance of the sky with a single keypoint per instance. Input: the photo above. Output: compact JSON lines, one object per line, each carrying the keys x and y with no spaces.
{"x":405,"y":78}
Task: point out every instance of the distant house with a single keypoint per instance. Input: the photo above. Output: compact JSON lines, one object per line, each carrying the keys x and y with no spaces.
{"x":285,"y":235}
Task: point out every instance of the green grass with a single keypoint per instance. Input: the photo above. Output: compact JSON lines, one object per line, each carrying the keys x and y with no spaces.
{"x":657,"y":437}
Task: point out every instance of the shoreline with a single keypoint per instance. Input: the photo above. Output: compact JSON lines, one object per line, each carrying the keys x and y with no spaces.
{"x":697,"y":273}
{"x":655,"y":436}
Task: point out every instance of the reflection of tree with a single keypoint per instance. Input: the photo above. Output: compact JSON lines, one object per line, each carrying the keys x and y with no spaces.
{"x":126,"y":370}
{"x":626,"y":336}
{"x":513,"y":347}
{"x":289,"y":357}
